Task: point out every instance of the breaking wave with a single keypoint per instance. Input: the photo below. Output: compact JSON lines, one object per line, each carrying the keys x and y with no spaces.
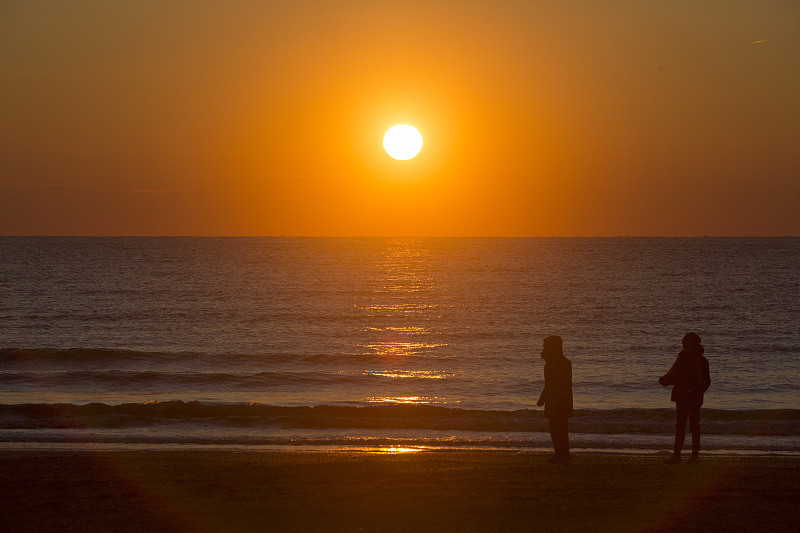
{"x":765,"y":422}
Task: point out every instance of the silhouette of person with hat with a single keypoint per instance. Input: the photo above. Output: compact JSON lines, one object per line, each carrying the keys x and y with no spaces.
{"x":557,"y":396}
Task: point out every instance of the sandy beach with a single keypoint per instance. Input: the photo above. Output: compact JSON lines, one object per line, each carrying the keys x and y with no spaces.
{"x":360,"y":491}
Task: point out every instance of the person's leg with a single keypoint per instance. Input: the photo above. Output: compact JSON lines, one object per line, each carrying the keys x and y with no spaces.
{"x":564,"y":433}
{"x":694,"y":427}
{"x":552,"y":423}
{"x":559,"y":433}
{"x":681,"y":414}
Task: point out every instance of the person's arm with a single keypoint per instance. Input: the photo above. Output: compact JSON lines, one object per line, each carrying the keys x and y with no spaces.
{"x":669,"y":378}
{"x":547,"y":379}
{"x":706,"y":383}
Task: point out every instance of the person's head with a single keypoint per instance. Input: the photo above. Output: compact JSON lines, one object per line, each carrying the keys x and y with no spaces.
{"x":691,"y":341}
{"x":552,"y":347}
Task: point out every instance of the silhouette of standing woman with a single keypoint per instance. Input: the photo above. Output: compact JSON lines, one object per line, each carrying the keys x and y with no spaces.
{"x":690,"y":379}
{"x":557,"y":396}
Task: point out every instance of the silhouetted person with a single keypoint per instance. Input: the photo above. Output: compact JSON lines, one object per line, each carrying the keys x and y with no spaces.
{"x":690,"y":379}
{"x":557,"y":396}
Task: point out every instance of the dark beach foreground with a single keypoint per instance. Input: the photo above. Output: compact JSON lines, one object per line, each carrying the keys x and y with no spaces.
{"x":210,"y":491}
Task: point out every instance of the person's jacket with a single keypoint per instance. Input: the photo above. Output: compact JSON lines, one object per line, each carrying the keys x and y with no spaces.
{"x":557,"y":393}
{"x":689,"y":377}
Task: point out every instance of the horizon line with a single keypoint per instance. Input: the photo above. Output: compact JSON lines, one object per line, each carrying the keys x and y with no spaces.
{"x":400,"y":236}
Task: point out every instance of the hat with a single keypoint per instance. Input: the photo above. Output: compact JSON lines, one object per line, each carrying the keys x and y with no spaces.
{"x":552,"y":344}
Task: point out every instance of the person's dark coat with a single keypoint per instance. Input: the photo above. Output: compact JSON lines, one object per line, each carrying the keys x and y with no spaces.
{"x":557,"y":393}
{"x":689,"y":377}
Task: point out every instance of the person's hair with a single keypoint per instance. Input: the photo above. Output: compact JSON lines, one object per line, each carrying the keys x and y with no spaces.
{"x":553,"y":345}
{"x":692,"y":338}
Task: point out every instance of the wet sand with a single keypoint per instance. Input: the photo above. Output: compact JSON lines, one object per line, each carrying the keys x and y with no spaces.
{"x":211,"y":491}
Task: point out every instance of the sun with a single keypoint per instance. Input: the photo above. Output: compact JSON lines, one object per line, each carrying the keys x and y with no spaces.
{"x":402,"y":142}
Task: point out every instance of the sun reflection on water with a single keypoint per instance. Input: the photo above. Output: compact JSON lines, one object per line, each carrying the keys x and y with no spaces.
{"x":401,"y":312}
{"x":399,"y":348}
{"x":400,"y":449}
{"x":420,"y":374}
{"x":407,"y":330}
{"x":409,"y":400}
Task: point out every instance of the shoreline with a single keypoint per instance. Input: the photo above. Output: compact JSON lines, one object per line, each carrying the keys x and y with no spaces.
{"x":113,"y":447}
{"x":439,"y":490}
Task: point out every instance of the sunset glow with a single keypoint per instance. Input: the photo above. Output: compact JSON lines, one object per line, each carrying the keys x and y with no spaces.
{"x":263,"y":118}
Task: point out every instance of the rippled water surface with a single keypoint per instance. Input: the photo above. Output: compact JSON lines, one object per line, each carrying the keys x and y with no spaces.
{"x":452,"y":322}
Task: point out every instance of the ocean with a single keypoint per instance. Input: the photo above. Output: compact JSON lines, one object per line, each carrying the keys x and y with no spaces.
{"x":391,"y":343}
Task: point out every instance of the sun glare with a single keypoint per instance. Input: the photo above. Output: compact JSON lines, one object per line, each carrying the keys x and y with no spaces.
{"x":402,"y":142}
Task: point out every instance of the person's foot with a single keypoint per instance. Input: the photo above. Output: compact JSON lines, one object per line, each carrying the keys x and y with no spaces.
{"x":559,"y":459}
{"x":673,"y":460}
{"x":694,"y":459}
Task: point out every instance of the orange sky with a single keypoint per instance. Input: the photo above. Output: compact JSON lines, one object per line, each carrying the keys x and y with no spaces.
{"x":539,"y":118}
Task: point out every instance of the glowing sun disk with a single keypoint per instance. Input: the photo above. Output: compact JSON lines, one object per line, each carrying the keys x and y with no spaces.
{"x":402,"y":142}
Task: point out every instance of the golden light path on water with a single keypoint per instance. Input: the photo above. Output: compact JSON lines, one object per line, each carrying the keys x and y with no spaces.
{"x":409,"y":400}
{"x":419,"y":374}
{"x":399,"y":311}
{"x":399,"y":348}
{"x":400,"y":449}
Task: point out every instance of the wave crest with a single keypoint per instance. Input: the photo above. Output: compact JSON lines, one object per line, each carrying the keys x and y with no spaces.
{"x":765,"y":422}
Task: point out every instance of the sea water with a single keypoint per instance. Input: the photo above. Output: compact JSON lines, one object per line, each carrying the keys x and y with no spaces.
{"x":392,"y":341}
